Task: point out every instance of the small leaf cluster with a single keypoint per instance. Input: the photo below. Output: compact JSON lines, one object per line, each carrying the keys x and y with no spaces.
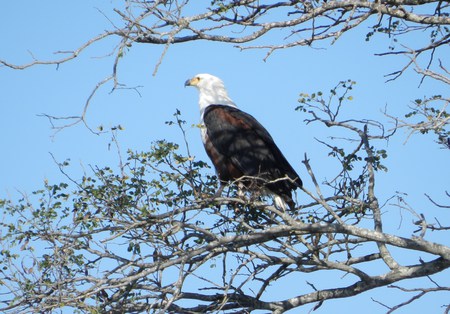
{"x":430,"y":115}
{"x":392,"y":28}
{"x":316,"y":102}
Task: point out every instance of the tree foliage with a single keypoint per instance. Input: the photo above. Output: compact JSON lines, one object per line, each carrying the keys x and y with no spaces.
{"x":153,"y":236}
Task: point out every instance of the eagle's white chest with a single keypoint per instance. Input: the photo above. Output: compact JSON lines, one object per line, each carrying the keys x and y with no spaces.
{"x":202,"y":125}
{"x":203,"y":133}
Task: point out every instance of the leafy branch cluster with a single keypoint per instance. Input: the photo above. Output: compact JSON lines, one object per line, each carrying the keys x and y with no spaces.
{"x":153,"y":236}
{"x":431,"y":115}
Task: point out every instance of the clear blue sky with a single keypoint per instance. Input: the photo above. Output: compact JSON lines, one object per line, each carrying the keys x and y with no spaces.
{"x":268,"y":90}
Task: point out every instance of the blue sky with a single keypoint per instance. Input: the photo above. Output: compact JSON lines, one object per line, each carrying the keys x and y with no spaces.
{"x":268,"y":90}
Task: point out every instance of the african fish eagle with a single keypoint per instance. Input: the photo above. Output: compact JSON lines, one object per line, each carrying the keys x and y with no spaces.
{"x":240,"y":148}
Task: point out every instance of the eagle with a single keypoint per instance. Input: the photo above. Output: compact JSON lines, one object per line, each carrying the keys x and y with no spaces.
{"x":240,"y":148}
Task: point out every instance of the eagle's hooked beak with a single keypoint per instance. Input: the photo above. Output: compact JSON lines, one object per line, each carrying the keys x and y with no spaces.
{"x":192,"y":82}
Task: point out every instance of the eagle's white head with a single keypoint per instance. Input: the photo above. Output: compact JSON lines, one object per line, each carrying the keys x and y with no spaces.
{"x":212,"y":91}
